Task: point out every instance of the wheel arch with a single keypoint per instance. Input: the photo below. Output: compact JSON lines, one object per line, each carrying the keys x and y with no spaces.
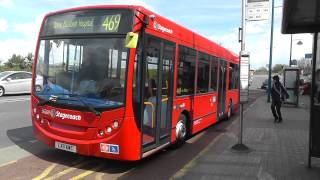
{"x":187,"y":114}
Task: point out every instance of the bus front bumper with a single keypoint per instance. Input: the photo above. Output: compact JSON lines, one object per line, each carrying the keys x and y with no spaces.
{"x":109,"y":147}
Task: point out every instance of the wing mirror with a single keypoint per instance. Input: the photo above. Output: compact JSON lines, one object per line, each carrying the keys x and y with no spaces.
{"x":8,"y":79}
{"x":131,"y":40}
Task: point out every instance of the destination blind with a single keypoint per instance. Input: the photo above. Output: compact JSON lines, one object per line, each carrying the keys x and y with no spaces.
{"x":89,"y":22}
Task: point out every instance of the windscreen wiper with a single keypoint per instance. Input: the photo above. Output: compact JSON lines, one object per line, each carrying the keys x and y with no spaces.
{"x":77,"y":98}
{"x":51,"y":99}
{"x":87,"y":105}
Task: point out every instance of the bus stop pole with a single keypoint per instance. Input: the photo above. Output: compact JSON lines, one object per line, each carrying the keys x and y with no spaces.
{"x":243,"y":47}
{"x":241,"y":148}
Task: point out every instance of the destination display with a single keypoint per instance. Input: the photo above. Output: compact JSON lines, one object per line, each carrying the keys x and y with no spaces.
{"x":89,"y":22}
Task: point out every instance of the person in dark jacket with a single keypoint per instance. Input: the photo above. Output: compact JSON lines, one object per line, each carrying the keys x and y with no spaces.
{"x":278,"y":93}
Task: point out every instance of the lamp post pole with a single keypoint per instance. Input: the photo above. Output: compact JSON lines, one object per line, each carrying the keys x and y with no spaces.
{"x":270,"y":56}
{"x":290,"y":51}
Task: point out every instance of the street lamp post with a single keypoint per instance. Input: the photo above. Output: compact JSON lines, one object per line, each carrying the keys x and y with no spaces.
{"x":298,"y":43}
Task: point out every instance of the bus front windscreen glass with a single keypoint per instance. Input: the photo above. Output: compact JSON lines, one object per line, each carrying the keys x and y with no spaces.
{"x":92,"y":70}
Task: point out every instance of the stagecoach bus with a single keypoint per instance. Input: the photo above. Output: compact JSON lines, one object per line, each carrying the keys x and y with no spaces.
{"x":122,"y":82}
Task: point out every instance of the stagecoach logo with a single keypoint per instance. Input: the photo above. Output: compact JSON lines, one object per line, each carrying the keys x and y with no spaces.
{"x":53,"y":113}
{"x":161,"y":28}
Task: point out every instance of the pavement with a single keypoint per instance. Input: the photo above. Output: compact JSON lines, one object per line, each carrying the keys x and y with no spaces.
{"x":278,"y":151}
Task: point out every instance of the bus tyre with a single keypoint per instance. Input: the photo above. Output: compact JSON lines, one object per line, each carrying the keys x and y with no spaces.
{"x":181,"y":131}
{"x":1,"y":91}
{"x":229,"y":110}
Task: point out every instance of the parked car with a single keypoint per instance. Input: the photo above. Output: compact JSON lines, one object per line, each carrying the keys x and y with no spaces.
{"x":305,"y":85}
{"x":15,"y":82}
{"x":264,"y":84}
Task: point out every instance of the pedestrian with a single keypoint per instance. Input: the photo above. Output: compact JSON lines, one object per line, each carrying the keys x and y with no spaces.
{"x":278,"y":94}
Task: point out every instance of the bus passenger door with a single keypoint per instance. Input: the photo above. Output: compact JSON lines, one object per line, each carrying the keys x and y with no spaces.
{"x":222,"y":88}
{"x":157,"y":95}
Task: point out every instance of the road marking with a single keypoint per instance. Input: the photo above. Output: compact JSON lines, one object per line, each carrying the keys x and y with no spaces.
{"x":99,"y":176}
{"x":87,"y":173}
{"x":33,"y":141}
{"x":69,"y":170}
{"x":14,"y":100}
{"x":12,"y":153}
{"x":46,"y":172}
{"x":8,"y":163}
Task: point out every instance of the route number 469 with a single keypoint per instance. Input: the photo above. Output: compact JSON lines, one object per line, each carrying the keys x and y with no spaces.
{"x":111,"y":23}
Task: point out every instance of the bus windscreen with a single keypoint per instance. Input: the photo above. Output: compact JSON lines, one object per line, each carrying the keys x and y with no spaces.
{"x":89,"y":22}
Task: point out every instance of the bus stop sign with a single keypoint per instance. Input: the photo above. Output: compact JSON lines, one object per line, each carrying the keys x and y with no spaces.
{"x":244,"y":76}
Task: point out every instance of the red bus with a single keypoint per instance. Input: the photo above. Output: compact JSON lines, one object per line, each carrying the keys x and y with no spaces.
{"x":122,"y":82}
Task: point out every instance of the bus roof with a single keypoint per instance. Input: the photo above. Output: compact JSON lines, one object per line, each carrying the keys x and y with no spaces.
{"x":183,"y":35}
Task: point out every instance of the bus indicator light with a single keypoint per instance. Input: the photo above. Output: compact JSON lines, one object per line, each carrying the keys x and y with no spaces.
{"x":115,"y":124}
{"x":100,"y":132}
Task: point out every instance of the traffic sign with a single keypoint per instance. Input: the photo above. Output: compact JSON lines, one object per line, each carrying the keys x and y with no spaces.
{"x":244,"y":76}
{"x":257,"y":10}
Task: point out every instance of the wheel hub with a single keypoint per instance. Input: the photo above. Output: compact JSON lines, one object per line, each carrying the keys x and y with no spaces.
{"x":181,"y":130}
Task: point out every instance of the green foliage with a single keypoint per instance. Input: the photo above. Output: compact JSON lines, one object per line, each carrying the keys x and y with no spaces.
{"x":261,"y":70}
{"x":277,"y":68}
{"x":18,"y":63}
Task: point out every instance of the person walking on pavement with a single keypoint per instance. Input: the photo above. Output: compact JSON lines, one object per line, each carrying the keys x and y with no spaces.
{"x":278,"y":93}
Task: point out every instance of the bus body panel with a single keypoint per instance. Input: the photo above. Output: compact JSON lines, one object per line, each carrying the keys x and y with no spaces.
{"x":204,"y":105}
{"x":203,"y":122}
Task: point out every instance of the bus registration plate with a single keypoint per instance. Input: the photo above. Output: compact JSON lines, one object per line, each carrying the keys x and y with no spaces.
{"x":65,"y":147}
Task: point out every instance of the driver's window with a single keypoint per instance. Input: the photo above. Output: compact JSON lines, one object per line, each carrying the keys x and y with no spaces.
{"x":14,"y":76}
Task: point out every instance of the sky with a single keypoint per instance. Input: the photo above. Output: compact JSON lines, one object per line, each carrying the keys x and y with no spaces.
{"x":217,"y":20}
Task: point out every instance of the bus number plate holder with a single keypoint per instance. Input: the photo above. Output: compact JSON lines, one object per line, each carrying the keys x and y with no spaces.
{"x":65,"y":147}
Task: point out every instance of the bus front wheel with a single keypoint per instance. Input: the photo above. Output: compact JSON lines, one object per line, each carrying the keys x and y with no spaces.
{"x":229,"y":110}
{"x":181,"y":130}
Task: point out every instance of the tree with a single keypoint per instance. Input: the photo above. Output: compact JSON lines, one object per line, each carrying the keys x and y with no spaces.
{"x":15,"y":62}
{"x":261,"y":70}
{"x":29,"y":61}
{"x":277,"y":68}
{"x":18,"y":62}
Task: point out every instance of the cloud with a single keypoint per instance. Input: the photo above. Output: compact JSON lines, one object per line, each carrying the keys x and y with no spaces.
{"x":21,"y":46}
{"x":3,"y":25}
{"x":228,"y":40}
{"x":6,"y":3}
{"x":29,"y":29}
{"x":112,"y":2}
{"x":256,"y":27}
{"x":15,"y":46}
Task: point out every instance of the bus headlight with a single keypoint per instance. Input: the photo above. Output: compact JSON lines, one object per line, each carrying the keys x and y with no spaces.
{"x":109,"y":130}
{"x":37,"y":116}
